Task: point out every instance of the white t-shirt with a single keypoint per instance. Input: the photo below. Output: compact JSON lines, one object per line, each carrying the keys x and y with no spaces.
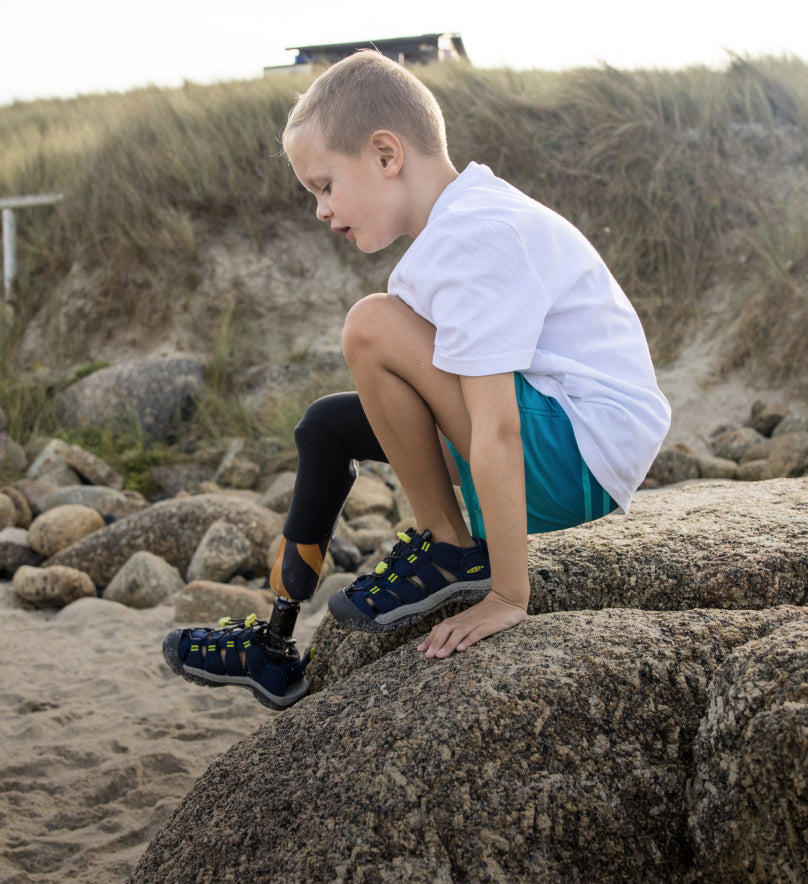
{"x":512,"y":286}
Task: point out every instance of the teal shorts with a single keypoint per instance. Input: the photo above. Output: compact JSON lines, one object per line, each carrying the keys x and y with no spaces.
{"x":561,"y":492}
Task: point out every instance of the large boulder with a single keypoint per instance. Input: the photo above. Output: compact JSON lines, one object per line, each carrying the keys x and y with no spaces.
{"x":172,"y":530}
{"x":156,"y":393}
{"x":559,"y":750}
{"x":748,"y":800}
{"x":708,"y":545}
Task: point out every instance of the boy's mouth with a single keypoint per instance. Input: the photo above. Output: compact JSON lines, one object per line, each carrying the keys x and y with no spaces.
{"x":344,"y":230}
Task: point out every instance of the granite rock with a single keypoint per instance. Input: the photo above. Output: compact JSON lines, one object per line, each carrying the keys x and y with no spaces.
{"x":222,"y":551}
{"x":144,"y":581}
{"x":707,"y":545}
{"x":748,"y":798}
{"x":559,"y":750}
{"x":172,"y":530}
{"x":61,"y":527}
{"x":52,"y":587}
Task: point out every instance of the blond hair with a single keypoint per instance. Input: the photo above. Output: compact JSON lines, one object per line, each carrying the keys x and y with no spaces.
{"x":363,"y":93}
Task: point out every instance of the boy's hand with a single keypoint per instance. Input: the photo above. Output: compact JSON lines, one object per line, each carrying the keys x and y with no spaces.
{"x":493,"y":614}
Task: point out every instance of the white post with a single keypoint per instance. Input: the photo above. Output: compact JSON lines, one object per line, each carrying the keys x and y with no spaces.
{"x":9,"y":251}
{"x":8,"y":204}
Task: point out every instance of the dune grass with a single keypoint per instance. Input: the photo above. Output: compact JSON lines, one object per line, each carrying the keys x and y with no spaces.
{"x":680,"y":179}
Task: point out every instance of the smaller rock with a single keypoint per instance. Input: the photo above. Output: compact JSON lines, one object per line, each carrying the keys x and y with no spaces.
{"x":34,"y":491}
{"x":237,"y":469}
{"x":278,"y":496}
{"x":8,"y":512}
{"x":174,"y":478}
{"x":15,"y":552}
{"x":61,"y":475}
{"x":753,"y":471}
{"x":788,"y":457}
{"x":333,"y":583}
{"x":733,"y":444}
{"x":792,"y":423}
{"x":369,"y":495}
{"x":50,"y":458}
{"x":60,"y":527}
{"x":766,"y":415}
{"x":222,"y":551}
{"x":107,"y":502}
{"x":92,"y":468}
{"x":22,"y":509}
{"x":203,"y":601}
{"x":12,"y":455}
{"x":759,"y":451}
{"x":369,"y":539}
{"x":717,"y":467}
{"x":346,"y":554}
{"x":144,"y":581}
{"x":52,"y":587}
{"x":679,"y":463}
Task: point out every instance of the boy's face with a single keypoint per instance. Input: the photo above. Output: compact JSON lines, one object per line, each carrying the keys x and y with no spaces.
{"x":353,"y":193}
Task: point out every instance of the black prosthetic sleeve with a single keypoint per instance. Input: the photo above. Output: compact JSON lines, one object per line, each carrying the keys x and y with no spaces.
{"x":332,"y":434}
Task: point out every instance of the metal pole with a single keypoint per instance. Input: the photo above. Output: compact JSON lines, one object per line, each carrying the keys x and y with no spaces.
{"x":9,"y":251}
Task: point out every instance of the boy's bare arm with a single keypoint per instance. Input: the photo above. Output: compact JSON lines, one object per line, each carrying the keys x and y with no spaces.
{"x":497,"y":465}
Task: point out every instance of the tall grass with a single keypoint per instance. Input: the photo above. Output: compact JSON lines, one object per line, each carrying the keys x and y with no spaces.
{"x":660,"y":169}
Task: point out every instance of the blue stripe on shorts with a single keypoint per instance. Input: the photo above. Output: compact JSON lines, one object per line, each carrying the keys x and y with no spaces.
{"x":561,"y":491}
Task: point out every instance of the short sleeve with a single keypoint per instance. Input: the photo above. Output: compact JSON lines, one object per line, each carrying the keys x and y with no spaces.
{"x":476,"y":284}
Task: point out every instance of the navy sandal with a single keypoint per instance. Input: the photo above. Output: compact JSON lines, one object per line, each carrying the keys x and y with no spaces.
{"x":407,"y":585}
{"x":274,"y":676}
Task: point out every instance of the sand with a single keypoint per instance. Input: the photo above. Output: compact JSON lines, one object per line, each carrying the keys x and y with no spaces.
{"x":99,"y":741}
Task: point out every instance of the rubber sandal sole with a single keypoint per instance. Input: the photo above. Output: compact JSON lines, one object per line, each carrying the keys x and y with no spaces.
{"x":171,"y":645}
{"x":345,"y":612}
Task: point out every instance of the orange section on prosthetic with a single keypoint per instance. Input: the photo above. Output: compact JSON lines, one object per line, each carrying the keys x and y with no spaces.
{"x":312,"y":555}
{"x":299,"y":565}
{"x":276,"y":574}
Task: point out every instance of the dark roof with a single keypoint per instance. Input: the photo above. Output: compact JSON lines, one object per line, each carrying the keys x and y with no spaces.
{"x":417,"y":48}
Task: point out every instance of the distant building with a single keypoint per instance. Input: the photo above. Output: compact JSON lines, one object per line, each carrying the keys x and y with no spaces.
{"x":425,"y":49}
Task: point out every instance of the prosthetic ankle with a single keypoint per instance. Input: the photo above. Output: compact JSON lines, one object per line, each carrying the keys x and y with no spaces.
{"x":276,"y":637}
{"x":294,"y":577}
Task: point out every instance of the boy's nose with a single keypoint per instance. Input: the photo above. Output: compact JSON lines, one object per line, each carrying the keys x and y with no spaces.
{"x":323,"y":212}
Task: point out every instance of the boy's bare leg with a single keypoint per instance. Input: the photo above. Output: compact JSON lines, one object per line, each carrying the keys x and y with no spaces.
{"x":388,"y":348}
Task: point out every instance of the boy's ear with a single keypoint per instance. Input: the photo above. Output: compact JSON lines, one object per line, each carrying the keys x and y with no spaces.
{"x":388,"y":152}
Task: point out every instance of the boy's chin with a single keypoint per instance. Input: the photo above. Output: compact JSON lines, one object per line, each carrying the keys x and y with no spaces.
{"x":372,"y":248}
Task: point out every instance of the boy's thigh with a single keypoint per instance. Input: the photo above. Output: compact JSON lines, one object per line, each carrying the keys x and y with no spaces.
{"x":560,"y":490}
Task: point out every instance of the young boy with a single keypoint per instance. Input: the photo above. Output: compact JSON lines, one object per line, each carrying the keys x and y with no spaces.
{"x":504,"y":357}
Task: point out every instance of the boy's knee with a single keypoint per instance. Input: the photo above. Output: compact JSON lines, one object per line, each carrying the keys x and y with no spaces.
{"x":364,"y":324}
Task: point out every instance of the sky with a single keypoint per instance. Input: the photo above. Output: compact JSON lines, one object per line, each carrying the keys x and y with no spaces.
{"x":60,"y":48}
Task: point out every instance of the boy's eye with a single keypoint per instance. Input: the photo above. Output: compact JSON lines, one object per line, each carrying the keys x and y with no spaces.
{"x":326,"y":188}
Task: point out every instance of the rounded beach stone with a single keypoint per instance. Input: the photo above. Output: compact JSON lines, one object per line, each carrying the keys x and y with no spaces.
{"x":23,"y":515}
{"x":52,"y":587}
{"x":8,"y":513}
{"x":15,"y":552}
{"x":60,"y":527}
{"x":369,"y":495}
{"x":221,"y":552}
{"x":204,"y":601}
{"x":92,"y":468}
{"x":144,"y":581}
